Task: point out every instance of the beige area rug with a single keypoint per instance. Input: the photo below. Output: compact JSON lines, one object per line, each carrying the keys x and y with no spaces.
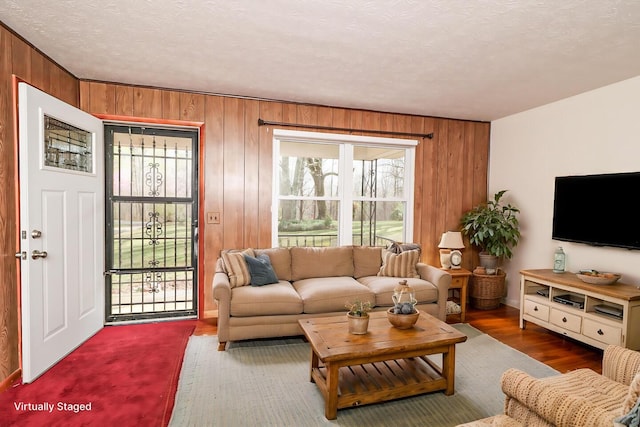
{"x":266,"y":383}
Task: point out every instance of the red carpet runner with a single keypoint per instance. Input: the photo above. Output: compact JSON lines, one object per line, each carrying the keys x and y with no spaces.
{"x":123,"y":376}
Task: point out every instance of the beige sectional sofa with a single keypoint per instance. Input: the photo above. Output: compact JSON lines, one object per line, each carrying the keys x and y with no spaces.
{"x":315,"y":282}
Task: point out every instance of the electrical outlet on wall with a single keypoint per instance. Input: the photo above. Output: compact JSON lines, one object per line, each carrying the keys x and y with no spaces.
{"x":213,"y":217}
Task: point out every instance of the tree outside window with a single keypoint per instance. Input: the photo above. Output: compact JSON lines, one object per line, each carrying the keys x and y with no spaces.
{"x":322,"y":202}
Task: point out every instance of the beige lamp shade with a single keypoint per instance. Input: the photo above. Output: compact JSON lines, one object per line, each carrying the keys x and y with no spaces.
{"x":451,"y":240}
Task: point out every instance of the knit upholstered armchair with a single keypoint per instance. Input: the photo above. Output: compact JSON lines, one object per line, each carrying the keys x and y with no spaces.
{"x":575,"y":399}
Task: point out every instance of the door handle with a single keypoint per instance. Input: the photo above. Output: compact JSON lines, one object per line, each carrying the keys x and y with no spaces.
{"x":21,"y":255}
{"x":37,"y":254}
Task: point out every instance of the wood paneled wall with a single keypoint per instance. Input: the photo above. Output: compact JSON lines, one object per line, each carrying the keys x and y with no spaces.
{"x":20,"y":59}
{"x":451,"y":172}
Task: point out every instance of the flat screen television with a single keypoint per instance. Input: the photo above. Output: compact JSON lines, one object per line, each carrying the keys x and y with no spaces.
{"x":597,"y":210}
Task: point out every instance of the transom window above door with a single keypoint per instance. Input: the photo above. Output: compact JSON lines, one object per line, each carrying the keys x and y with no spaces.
{"x":332,"y":189}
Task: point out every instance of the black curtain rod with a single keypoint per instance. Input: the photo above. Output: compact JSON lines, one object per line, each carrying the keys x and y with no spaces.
{"x":381,"y":132}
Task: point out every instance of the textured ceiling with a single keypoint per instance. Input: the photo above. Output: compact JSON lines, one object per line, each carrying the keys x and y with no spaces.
{"x":479,"y":60}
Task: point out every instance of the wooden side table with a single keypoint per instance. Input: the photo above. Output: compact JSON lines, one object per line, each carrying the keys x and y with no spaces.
{"x":460,"y":280}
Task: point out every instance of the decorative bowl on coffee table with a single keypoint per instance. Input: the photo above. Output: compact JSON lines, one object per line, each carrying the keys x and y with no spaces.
{"x":402,"y":321}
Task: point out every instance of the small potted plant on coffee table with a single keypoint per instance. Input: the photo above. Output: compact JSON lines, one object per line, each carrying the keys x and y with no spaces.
{"x":358,"y":317}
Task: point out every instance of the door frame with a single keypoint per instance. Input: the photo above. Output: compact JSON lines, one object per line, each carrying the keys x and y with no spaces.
{"x":201,"y":216}
{"x":148,"y":130}
{"x":15,"y":80}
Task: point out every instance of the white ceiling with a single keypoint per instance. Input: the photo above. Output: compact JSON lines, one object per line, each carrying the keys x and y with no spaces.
{"x":479,"y":60}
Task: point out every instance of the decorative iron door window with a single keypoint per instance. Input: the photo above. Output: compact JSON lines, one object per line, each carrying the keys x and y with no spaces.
{"x":151,"y":222}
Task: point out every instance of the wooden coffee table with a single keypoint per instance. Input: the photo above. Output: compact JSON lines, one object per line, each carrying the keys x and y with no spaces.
{"x":385,"y":364}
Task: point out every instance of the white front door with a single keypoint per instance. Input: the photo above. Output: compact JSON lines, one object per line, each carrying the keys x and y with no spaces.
{"x":61,"y":228}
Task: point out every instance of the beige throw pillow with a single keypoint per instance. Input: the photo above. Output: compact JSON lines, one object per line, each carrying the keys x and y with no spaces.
{"x":236,"y":267}
{"x":399,"y":265}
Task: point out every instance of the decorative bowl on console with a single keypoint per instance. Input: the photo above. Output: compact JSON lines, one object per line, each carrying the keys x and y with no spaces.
{"x":597,"y":277}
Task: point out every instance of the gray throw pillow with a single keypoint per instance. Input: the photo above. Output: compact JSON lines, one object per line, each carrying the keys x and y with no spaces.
{"x":398,"y":248}
{"x":261,"y":270}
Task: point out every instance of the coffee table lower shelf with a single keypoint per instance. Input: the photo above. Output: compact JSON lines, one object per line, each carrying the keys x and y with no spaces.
{"x":381,"y":381}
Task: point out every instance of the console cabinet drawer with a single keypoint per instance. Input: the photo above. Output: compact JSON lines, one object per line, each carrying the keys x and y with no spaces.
{"x":601,"y":332}
{"x":537,"y":310}
{"x":568,"y":321}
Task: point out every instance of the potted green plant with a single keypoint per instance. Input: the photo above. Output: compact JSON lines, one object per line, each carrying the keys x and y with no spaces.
{"x":358,"y":316}
{"x":494,"y":228}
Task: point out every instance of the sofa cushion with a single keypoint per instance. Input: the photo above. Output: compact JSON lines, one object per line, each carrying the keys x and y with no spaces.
{"x":366,"y":260}
{"x":382,"y":287}
{"x":310,"y":262}
{"x":260,"y":269}
{"x":327,"y":294}
{"x":399,"y":265}
{"x":280,"y":261}
{"x":276,"y":298}
{"x":236,"y":267}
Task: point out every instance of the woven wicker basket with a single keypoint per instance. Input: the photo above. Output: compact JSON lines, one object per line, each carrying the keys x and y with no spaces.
{"x":487,"y":290}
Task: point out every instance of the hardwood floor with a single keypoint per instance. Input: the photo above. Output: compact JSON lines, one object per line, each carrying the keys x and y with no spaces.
{"x":561,"y":353}
{"x":206,"y":326}
{"x":555,"y":350}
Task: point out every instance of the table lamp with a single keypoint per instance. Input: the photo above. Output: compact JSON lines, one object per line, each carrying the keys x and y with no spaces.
{"x":450,"y":256}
